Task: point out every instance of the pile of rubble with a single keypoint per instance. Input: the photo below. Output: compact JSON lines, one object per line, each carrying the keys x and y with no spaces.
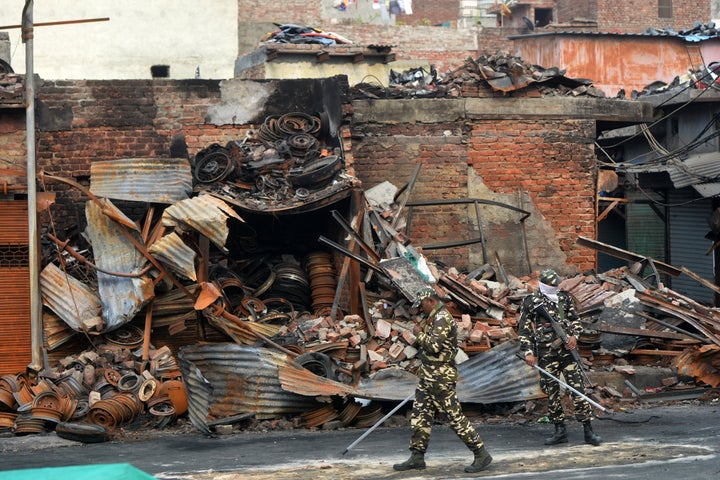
{"x":12,"y":89}
{"x":499,"y":73}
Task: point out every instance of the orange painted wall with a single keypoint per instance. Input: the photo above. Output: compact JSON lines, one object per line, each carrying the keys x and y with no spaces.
{"x":614,"y":62}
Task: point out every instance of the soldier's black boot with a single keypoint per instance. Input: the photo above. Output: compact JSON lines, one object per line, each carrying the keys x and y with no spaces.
{"x":560,"y":435}
{"x":482,"y":460}
{"x":415,"y":462}
{"x":591,"y":437}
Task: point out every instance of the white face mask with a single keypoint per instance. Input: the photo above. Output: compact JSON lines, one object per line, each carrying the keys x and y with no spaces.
{"x":549,"y":291}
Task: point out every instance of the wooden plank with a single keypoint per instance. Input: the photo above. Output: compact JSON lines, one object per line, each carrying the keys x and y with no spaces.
{"x":626,"y":255}
{"x":639,"y":332}
{"x":643,"y":351}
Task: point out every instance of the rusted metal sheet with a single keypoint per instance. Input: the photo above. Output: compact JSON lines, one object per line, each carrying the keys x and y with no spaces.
{"x":206,"y":214}
{"x":225,"y":379}
{"x":700,"y":363}
{"x":15,"y":354}
{"x":121,"y":297}
{"x":71,"y":300}
{"x":493,"y":376}
{"x":152,"y":180}
{"x":176,"y":255}
{"x":14,"y":223}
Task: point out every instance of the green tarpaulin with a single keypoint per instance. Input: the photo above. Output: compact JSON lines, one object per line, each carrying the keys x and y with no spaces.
{"x":113,"y":471}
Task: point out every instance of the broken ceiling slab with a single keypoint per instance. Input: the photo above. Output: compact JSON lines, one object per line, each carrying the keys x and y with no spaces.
{"x":205,"y":214}
{"x":74,"y":302}
{"x":152,"y":180}
{"x":122,"y":297}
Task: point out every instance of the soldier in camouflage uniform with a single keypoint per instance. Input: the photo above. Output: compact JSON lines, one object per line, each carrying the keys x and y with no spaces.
{"x":540,"y":346}
{"x":437,"y":344}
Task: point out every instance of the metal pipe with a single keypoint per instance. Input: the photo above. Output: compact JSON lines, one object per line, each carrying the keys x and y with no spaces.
{"x":573,"y":390}
{"x":38,"y":360}
{"x":379,"y":422}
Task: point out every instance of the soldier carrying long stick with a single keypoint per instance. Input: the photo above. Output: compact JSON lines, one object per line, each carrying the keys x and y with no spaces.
{"x":551,"y":348}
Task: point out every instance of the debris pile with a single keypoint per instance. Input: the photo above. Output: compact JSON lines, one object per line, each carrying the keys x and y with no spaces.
{"x":298,"y":34}
{"x":12,"y":89}
{"x":500,"y":73}
{"x":277,"y":331}
{"x":107,"y":386}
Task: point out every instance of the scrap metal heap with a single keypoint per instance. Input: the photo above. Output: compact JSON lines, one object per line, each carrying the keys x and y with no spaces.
{"x":274,"y":337}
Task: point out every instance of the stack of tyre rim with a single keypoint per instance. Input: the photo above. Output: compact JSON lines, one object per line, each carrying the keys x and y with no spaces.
{"x":323,"y":281}
{"x":116,"y":410}
{"x":291,"y":283}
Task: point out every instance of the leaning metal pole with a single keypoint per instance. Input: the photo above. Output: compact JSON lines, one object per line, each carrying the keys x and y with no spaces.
{"x":36,"y":337}
{"x":379,"y":422}
{"x":573,"y":390}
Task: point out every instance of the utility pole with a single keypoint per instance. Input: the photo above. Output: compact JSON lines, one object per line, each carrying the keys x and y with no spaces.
{"x":37,"y":362}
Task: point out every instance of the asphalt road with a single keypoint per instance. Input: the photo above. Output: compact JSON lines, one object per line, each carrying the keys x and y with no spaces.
{"x":659,"y":442}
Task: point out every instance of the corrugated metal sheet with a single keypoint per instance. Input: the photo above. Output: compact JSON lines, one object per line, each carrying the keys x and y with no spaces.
{"x":14,"y":222}
{"x":225,"y":379}
{"x":16,"y":353}
{"x":153,"y":180}
{"x":70,"y":299}
{"x":697,"y":168}
{"x":699,"y":171}
{"x":176,"y":255}
{"x":121,"y":297}
{"x":688,"y":224}
{"x":206,"y":214}
{"x":493,"y":376}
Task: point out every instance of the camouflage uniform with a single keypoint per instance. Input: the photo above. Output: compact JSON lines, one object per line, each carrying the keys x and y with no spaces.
{"x":436,"y":389}
{"x":538,"y":338}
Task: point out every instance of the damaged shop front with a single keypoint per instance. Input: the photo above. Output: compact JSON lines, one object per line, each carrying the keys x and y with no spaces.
{"x":257,"y":280}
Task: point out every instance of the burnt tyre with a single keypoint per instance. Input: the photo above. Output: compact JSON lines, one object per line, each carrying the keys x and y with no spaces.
{"x":82,"y":432}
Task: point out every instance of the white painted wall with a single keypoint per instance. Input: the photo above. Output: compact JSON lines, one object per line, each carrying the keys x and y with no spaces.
{"x":183,"y":34}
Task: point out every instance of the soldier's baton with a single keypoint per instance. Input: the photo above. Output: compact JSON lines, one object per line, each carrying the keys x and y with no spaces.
{"x":379,"y":422}
{"x":575,"y":391}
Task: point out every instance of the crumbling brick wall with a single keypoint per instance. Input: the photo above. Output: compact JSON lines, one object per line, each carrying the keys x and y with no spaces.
{"x":553,"y":162}
{"x":545,"y":167}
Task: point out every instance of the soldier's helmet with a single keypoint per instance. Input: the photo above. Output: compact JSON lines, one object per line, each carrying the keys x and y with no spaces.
{"x":550,"y":277}
{"x":422,"y":294}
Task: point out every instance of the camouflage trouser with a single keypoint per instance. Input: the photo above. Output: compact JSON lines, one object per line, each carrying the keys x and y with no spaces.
{"x":433,"y":396}
{"x":559,"y":362}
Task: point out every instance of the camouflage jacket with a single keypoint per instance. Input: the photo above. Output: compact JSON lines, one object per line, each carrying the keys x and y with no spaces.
{"x":534,"y":331}
{"x":437,"y":342}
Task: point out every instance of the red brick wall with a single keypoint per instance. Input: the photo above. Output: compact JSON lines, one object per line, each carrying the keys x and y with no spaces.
{"x":575,"y":9}
{"x":119,"y":119}
{"x":432,"y":12}
{"x":553,"y":161}
{"x":634,"y":16}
